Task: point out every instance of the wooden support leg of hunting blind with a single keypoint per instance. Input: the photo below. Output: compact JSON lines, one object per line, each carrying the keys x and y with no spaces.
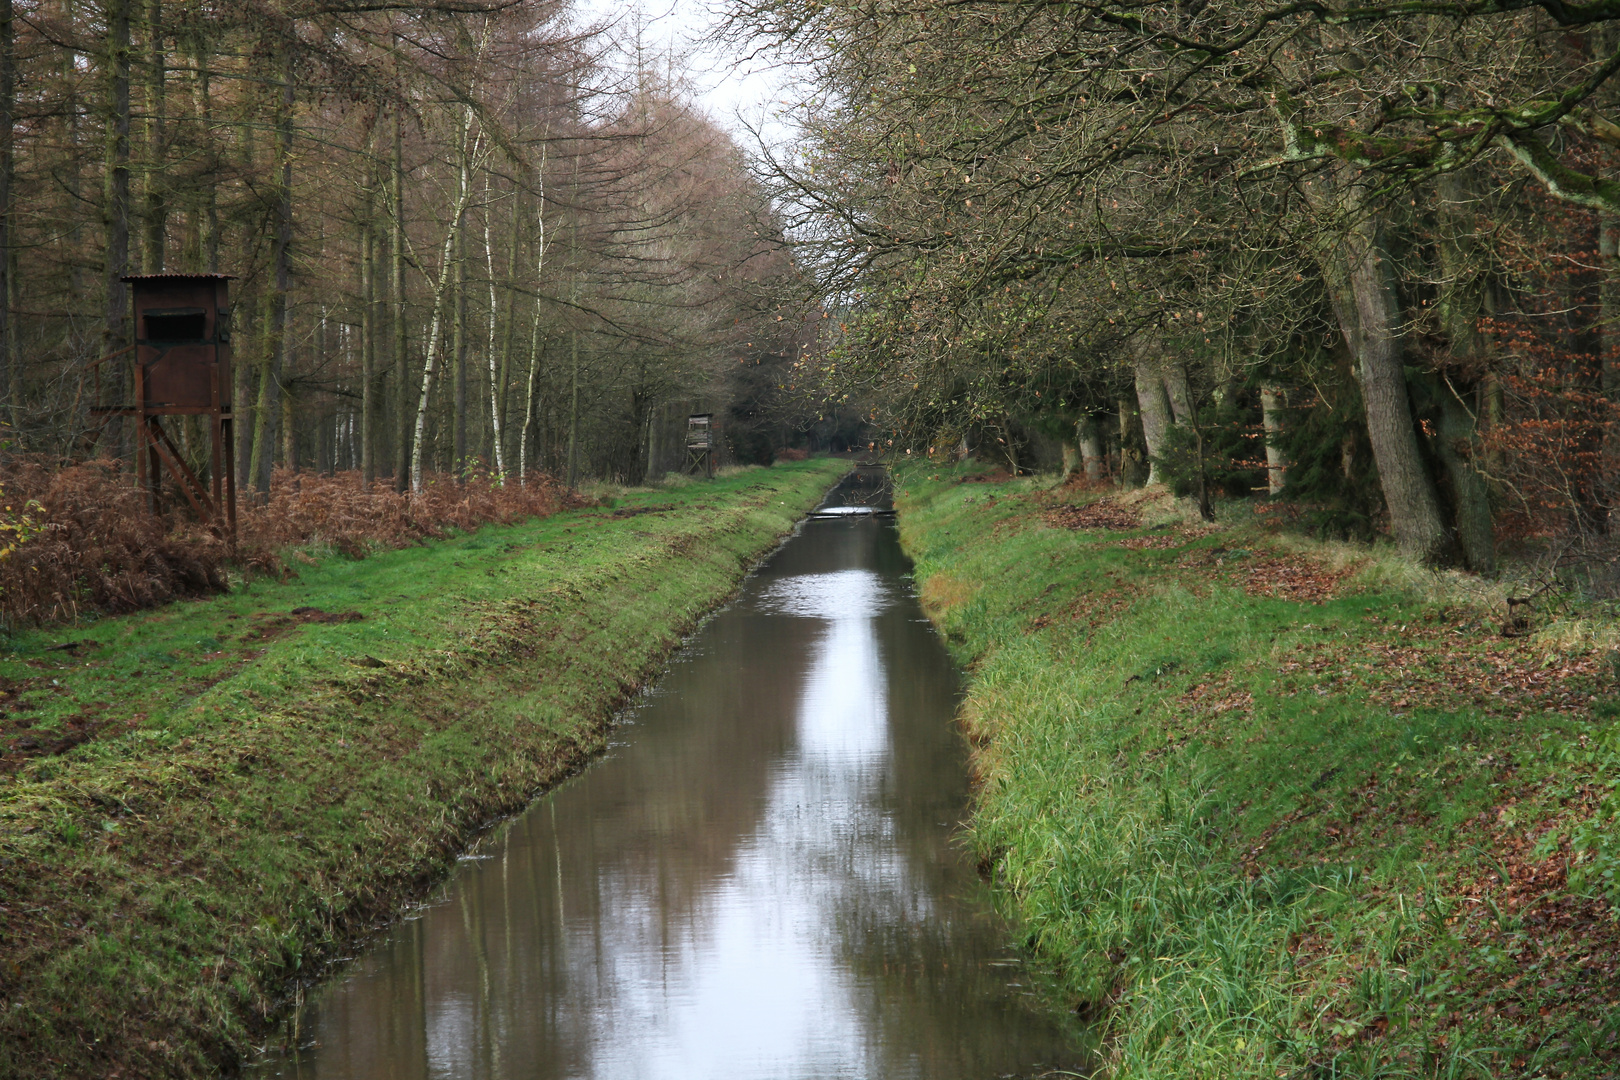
{"x":187,"y":481}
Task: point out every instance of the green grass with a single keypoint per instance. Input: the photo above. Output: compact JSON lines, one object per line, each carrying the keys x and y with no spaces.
{"x":1257,"y":837}
{"x":259,"y":789}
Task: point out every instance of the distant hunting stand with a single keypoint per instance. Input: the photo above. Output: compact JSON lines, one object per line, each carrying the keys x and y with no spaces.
{"x":182,"y":367}
{"x":700,"y":444}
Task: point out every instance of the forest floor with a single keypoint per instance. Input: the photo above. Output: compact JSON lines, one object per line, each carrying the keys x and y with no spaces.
{"x":1268,"y":808}
{"x":201,"y":806}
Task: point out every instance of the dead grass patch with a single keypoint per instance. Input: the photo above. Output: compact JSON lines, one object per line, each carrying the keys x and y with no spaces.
{"x":941,"y":592}
{"x":1152,"y":543}
{"x":1102,"y":514}
{"x":98,"y":548}
{"x":1293,"y":578}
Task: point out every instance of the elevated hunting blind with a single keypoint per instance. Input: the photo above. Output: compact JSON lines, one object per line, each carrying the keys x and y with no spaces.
{"x":182,"y":367}
{"x":700,"y":444}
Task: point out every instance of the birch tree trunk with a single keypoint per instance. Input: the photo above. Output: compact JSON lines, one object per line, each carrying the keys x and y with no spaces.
{"x":458,"y":358}
{"x":452,"y":237}
{"x":1271,"y":417}
{"x":502,"y":405}
{"x":489,"y":344}
{"x":534,"y":323}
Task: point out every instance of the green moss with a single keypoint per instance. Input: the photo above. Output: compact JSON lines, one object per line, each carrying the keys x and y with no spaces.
{"x":1258,"y":836}
{"x":262,"y":786}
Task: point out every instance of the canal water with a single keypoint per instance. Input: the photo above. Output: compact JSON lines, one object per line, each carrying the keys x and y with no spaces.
{"x":761,"y":880}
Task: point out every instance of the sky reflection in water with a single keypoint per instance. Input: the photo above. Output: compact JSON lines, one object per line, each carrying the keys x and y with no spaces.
{"x":758,"y":882}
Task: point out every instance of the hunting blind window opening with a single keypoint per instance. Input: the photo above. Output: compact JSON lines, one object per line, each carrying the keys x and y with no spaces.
{"x":177,"y":326}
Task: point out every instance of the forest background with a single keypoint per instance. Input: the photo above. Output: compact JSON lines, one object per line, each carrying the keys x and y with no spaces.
{"x":471,"y":240}
{"x":1358,"y":257}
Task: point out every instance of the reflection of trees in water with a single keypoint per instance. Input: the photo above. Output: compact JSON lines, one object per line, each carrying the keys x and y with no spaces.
{"x":868,"y":485}
{"x":923,"y":976}
{"x":621,"y":865}
{"x":594,"y":905}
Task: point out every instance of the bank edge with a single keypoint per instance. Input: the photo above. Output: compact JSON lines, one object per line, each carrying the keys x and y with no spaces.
{"x":1236,"y":865}
{"x":164,"y":893}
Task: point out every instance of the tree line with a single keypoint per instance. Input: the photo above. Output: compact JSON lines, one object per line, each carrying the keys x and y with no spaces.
{"x":463,"y":236}
{"x":1363,"y":256}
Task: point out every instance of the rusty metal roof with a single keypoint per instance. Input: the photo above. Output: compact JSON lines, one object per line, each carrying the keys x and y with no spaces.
{"x":177,"y":277}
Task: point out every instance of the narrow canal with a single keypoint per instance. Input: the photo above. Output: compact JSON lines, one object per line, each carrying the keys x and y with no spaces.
{"x":760,"y":880}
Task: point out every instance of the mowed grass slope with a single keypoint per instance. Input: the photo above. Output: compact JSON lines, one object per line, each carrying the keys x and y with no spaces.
{"x":260,"y":777}
{"x":1260,"y":818}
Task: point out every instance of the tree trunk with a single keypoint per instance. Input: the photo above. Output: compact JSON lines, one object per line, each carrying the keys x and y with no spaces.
{"x":201,"y":199}
{"x":573,"y":415}
{"x":208,"y":227}
{"x":1271,"y":417}
{"x":264,"y":407}
{"x":1155,"y":411}
{"x":1609,"y":317}
{"x":452,"y":238}
{"x":508,"y":333}
{"x":289,"y":430}
{"x":1179,"y":391}
{"x":1071,"y":458}
{"x":496,"y":377}
{"x":1609,"y":258}
{"x":116,"y":196}
{"x":10,"y":362}
{"x":635,"y":470}
{"x":1091,"y":447}
{"x":1133,"y":469}
{"x":1457,"y":444}
{"x":458,"y":359}
{"x":534,"y":326}
{"x":1369,"y":329}
{"x":368,"y":340}
{"x":67,"y":73}
{"x":396,"y":255}
{"x":242,"y":373}
{"x":155,"y":212}
{"x":278,"y":339}
{"x":1463,"y":303}
{"x":499,"y":370}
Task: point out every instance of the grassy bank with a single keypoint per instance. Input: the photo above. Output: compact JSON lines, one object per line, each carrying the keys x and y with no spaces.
{"x":207,"y":802}
{"x":1265,"y":816}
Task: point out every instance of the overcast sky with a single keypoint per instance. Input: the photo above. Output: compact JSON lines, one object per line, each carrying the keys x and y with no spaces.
{"x":733,"y":88}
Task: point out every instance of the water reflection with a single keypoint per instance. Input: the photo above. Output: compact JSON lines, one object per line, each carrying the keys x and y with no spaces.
{"x":759,"y":881}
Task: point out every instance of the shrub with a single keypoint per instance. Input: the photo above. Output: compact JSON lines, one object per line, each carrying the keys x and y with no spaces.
{"x":88,"y":543}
